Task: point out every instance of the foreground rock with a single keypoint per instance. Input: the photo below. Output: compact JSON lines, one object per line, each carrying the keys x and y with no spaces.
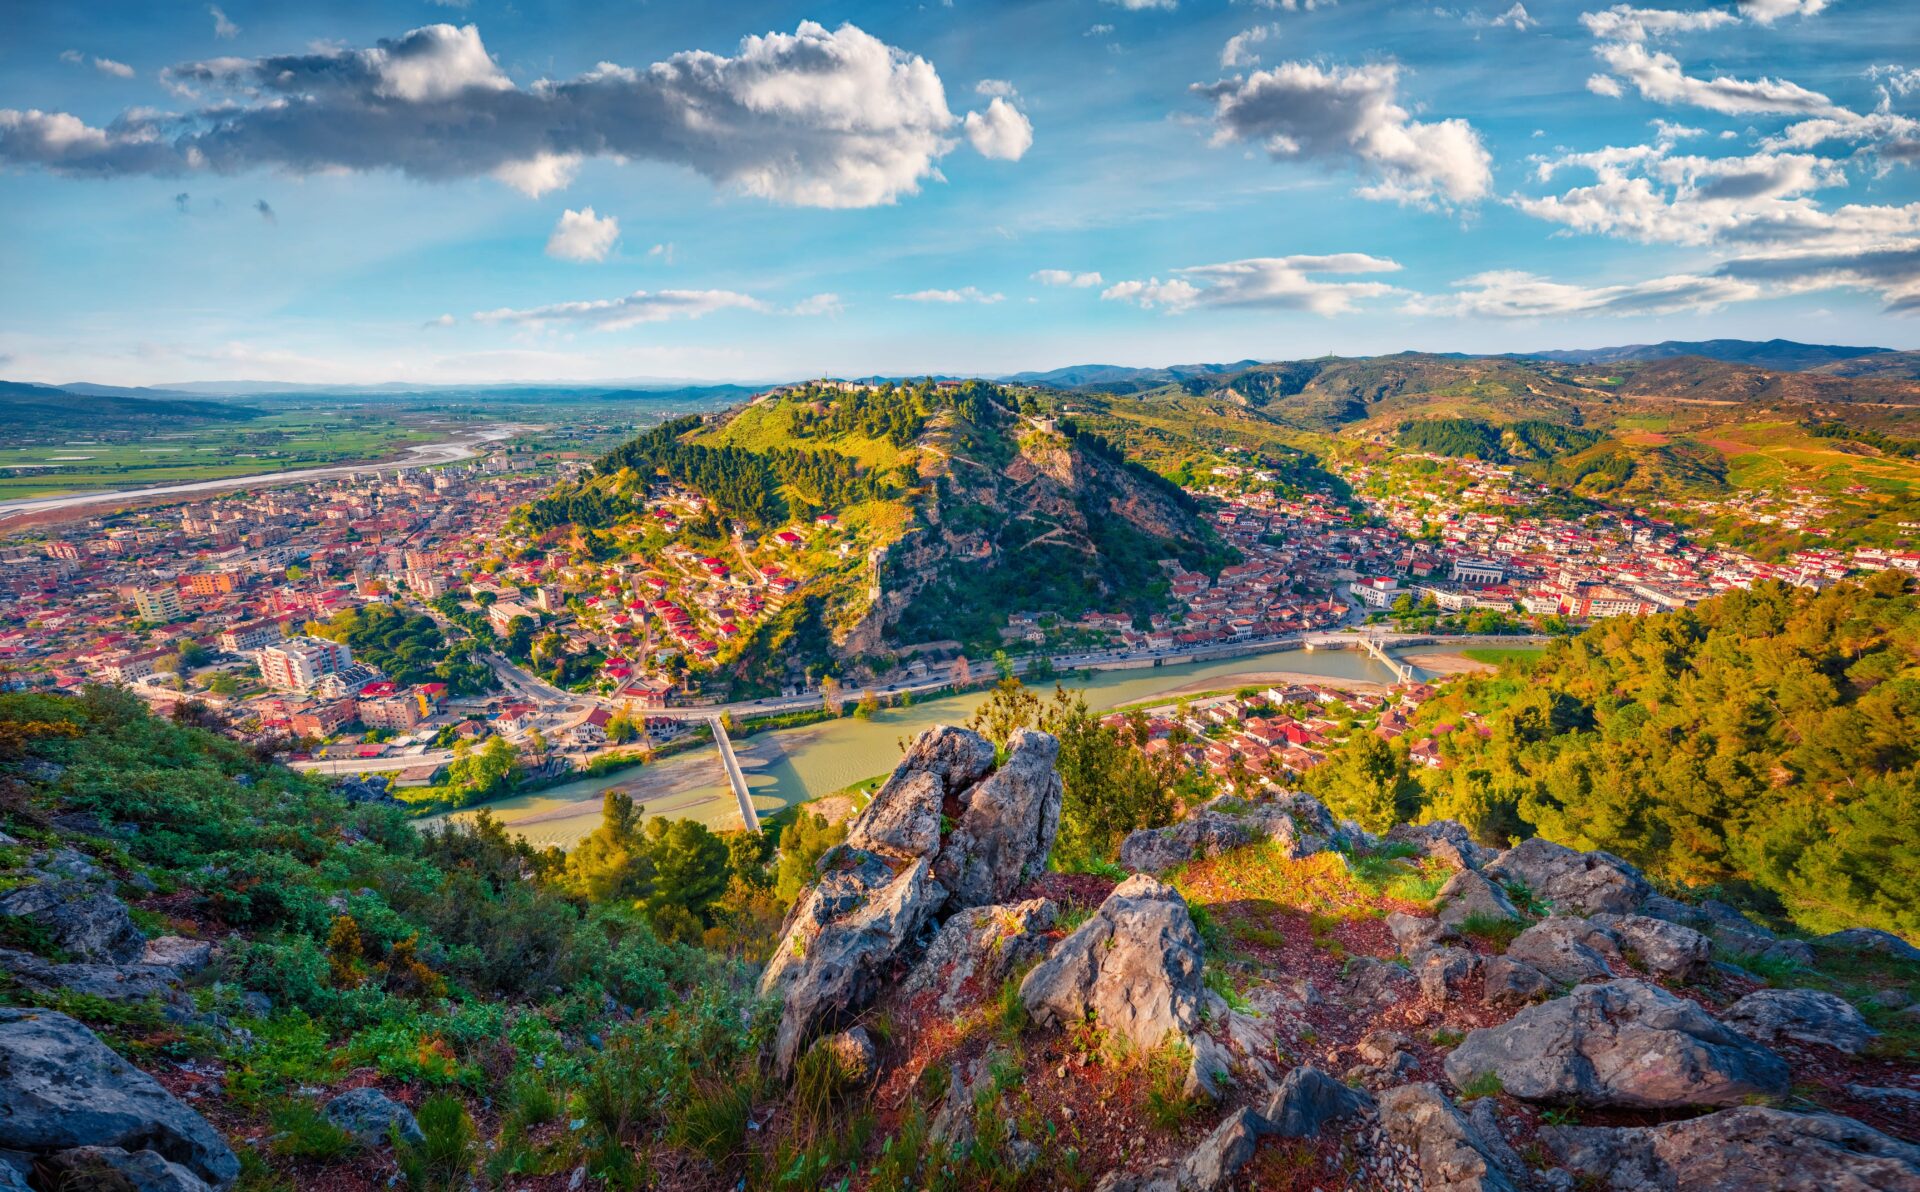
{"x":1299,"y":823}
{"x":1803,"y":1016}
{"x":61,"y":1088}
{"x":1572,"y":882}
{"x":1623,"y":1043}
{"x":78,"y":917}
{"x":943,"y":834}
{"x":1566,"y":949}
{"x":979,"y":948}
{"x":372,"y":1117}
{"x":1135,"y":968}
{"x":1736,"y":1150}
{"x":1445,"y":839}
{"x":1470,"y":895}
{"x":1454,"y":1154}
{"x":1308,"y":1099}
{"x":1210,"y":1165}
{"x":108,"y":982}
{"x":1671,"y":951}
{"x":107,"y":1167}
{"x":1870,"y":939}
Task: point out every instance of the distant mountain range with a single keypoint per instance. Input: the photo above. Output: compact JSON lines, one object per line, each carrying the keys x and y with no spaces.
{"x":1781,"y":354}
{"x":47,"y":409}
{"x":1097,"y":376}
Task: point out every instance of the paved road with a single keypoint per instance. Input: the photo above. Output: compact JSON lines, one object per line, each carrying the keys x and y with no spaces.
{"x":416,"y":457}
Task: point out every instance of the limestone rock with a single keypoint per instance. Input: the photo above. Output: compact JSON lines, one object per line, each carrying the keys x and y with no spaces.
{"x":1299,"y":823}
{"x":1308,"y":1099}
{"x":369,"y":1114}
{"x":1802,"y":1015}
{"x":1623,"y":1043}
{"x":81,"y":919}
{"x":1369,"y":982}
{"x":109,"y":982}
{"x":176,"y":952}
{"x":1006,"y":827}
{"x":1573,"y":882}
{"x":1507,"y":982}
{"x":854,"y":1051}
{"x":1869,"y":939}
{"x":1452,"y":1154}
{"x":903,"y":820}
{"x":1445,"y":839}
{"x":112,"y":1167}
{"x":982,"y":945}
{"x":1411,"y":933}
{"x":1665,"y":949}
{"x":1468,"y":894}
{"x":1220,"y":1156}
{"x":1728,"y":1152}
{"x":1134,"y":966}
{"x":62,"y":1088}
{"x":1444,"y":973}
{"x":1567,"y":950}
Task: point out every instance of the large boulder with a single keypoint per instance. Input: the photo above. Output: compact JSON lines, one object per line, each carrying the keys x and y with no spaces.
{"x":1413,"y":933}
{"x":1665,"y":949}
{"x":1133,"y":967}
{"x":903,"y":819}
{"x":1446,"y":839}
{"x":108,"y":982}
{"x":1803,"y":1016}
{"x":840,"y":940}
{"x":1307,"y":1100}
{"x":1006,"y":825}
{"x":61,"y":1088}
{"x":1452,"y":1152}
{"x":1469,"y":895}
{"x":1623,"y":1043}
{"x":1736,"y":1150}
{"x":1566,"y":949}
{"x":979,"y":948}
{"x":110,"y":1167}
{"x":1444,"y":973}
{"x":78,"y":917}
{"x":1299,"y":824}
{"x":1506,"y":983}
{"x":1869,"y":939}
{"x":372,"y":1117}
{"x":1572,"y":882}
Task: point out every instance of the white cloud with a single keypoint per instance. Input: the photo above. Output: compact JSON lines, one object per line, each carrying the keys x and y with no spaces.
{"x":1511,"y":294}
{"x":1766,"y":12}
{"x":641,"y":306}
{"x":1623,"y":22}
{"x":1900,"y":80}
{"x":582,"y":236}
{"x":1239,"y":49}
{"x":118,"y":70}
{"x":999,"y":87}
{"x":1299,"y":109}
{"x":950,"y":297}
{"x":1659,"y":78}
{"x":1066,"y":277}
{"x":441,"y":321}
{"x":222,"y":28}
{"x":818,"y":117}
{"x":1098,"y":31}
{"x":1890,"y":269}
{"x":1283,"y":283}
{"x":1892,"y":138}
{"x":664,"y":252}
{"x":1142,"y":5}
{"x":1001,"y":132}
{"x":1516,"y":17}
{"x":1606,"y":85}
{"x":818,"y":304}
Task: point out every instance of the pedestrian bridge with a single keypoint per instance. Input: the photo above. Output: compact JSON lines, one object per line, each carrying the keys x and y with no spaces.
{"x":1403,"y":672}
{"x":735,"y":777}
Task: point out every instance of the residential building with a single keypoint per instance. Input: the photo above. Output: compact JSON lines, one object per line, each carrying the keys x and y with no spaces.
{"x":298,"y":663}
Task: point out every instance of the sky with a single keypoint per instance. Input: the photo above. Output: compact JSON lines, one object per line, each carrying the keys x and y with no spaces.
{"x":456,"y":191}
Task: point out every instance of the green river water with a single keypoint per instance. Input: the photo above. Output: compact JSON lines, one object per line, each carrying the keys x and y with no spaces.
{"x":798,"y":764}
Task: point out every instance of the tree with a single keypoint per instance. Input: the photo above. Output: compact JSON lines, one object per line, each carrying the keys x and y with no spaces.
{"x":1002,"y":664}
{"x":802,"y":844}
{"x":830,"y":694}
{"x":612,"y":861}
{"x":1364,"y":781}
{"x":868,"y":705}
{"x":691,"y":868}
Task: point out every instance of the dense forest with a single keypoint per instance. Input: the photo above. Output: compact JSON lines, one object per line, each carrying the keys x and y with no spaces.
{"x":1470,"y":438}
{"x":407,"y":647}
{"x":1765,"y":744}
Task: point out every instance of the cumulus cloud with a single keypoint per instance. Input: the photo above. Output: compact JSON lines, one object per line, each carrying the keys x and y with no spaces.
{"x":1281,"y":283}
{"x":1897,"y":80}
{"x":1605,"y":85}
{"x":818,"y":117}
{"x":1066,"y":277}
{"x":1098,"y":31}
{"x":1659,"y":78}
{"x":1351,"y":114}
{"x":614,"y":314}
{"x":818,"y":304}
{"x":223,"y":28}
{"x":1511,"y":294}
{"x":1890,"y":269}
{"x":1001,"y":132}
{"x":951,"y":297}
{"x":583,"y":236}
{"x":1891,"y":138}
{"x":1239,"y":50}
{"x":1516,"y":17}
{"x":1623,"y":22}
{"x":1766,"y":12}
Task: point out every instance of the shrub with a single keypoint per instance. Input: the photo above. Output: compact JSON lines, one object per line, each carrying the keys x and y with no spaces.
{"x":301,"y":1131}
{"x":443,"y":1160}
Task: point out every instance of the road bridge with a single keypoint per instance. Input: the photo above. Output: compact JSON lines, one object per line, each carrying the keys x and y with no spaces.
{"x":1403,"y":672}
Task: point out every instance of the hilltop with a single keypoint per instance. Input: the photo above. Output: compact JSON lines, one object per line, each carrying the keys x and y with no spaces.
{"x":35,"y":411}
{"x":1783,"y":354}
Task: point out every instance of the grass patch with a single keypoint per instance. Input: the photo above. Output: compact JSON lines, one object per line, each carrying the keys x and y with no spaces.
{"x":1323,"y":883}
{"x":443,"y":1160}
{"x":1167,"y":1105}
{"x":1487,"y":1084}
{"x":1491,"y":928}
{"x":301,"y":1131}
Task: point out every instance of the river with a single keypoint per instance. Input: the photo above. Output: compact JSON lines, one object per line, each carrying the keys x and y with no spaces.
{"x":798,"y":764}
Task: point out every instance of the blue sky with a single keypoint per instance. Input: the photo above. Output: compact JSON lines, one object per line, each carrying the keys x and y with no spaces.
{"x":513,"y":190}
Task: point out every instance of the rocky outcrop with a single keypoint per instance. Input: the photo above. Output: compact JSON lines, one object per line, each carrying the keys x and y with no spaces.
{"x":109,"y":982}
{"x":1307,"y":1100}
{"x":1671,"y":951}
{"x":61,"y":1088}
{"x":1208,"y":1166}
{"x":1445,"y":839}
{"x":1412,"y":933}
{"x":1800,"y":1015}
{"x":980,"y":947}
{"x":1567,"y":950}
{"x":1869,"y":939}
{"x":1623,"y":1043}
{"x":1469,"y":895}
{"x":1006,"y":825}
{"x":943,"y":834}
{"x":1572,"y":882}
{"x":1133,"y":967}
{"x":1299,"y":823}
{"x":78,"y":917}
{"x":111,"y":1167}
{"x":1452,"y":1152}
{"x":1444,"y":973}
{"x":853,"y":1052}
{"x":1728,"y":1151}
{"x":1506,"y":983}
{"x":371,"y":1117}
